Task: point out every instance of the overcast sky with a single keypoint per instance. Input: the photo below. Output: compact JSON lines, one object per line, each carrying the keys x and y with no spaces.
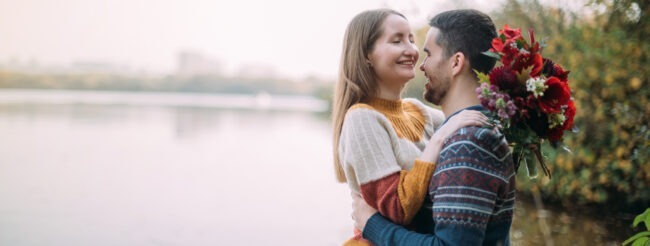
{"x":297,"y":37}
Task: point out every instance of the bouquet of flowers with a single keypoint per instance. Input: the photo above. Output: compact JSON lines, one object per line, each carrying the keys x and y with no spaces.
{"x":528,"y":95}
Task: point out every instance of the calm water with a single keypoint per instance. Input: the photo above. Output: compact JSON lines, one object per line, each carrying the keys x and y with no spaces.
{"x":119,"y":172}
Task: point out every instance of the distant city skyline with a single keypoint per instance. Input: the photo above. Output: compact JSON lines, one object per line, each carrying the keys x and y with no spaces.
{"x":288,"y":38}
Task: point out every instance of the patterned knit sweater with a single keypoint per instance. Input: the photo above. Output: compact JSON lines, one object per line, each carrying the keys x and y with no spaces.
{"x":379,"y":146}
{"x":472,"y":195}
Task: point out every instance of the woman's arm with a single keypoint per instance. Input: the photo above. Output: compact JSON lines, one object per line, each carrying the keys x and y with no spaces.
{"x":397,"y":194}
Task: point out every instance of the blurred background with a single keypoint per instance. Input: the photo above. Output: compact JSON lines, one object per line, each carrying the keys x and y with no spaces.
{"x":204,"y":122}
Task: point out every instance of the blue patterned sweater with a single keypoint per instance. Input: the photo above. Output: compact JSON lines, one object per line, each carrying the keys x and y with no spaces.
{"x":472,"y":195}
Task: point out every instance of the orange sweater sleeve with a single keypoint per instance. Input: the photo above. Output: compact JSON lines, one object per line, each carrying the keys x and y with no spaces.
{"x":399,"y":196}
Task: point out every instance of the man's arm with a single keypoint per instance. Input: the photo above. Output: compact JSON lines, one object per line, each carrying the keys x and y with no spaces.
{"x":465,"y":188}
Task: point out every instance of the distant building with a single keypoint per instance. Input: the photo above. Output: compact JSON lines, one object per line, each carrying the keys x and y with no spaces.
{"x":257,"y":71}
{"x":33,"y":66}
{"x":192,"y":63}
{"x":97,"y":67}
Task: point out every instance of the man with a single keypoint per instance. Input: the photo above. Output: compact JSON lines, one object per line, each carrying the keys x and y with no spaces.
{"x":472,"y":190}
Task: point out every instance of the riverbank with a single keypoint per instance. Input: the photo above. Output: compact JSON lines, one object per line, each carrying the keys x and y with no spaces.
{"x":557,"y":224}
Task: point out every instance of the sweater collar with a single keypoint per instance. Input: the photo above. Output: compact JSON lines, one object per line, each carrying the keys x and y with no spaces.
{"x":387,"y":106}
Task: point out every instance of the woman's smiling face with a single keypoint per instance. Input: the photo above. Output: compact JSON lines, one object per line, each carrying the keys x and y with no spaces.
{"x":394,"y":54}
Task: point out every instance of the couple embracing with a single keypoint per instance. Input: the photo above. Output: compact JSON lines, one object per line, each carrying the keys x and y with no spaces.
{"x":418,"y":175}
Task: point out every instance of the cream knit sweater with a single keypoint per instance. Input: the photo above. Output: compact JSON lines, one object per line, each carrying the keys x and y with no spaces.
{"x":384,"y":137}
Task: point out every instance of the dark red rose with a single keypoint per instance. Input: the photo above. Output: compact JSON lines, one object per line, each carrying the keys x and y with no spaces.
{"x":556,"y":95}
{"x":505,"y":79}
{"x":556,"y":133}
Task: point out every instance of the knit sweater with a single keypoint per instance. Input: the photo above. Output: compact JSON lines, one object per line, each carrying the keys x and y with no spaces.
{"x":378,"y":149}
{"x":472,"y":195}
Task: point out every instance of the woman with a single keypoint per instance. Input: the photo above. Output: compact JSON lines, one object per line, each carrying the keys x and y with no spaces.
{"x":384,"y":146}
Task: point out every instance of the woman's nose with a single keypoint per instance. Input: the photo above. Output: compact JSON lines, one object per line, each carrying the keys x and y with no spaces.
{"x":411,"y":50}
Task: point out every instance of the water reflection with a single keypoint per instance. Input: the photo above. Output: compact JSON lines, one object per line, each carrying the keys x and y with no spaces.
{"x":158,"y":175}
{"x":106,"y":175}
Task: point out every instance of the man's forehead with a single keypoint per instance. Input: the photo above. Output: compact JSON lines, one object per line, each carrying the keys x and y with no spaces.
{"x":430,"y":39}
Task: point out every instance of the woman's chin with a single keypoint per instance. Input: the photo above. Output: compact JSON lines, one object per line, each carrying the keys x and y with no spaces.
{"x":407,"y":77}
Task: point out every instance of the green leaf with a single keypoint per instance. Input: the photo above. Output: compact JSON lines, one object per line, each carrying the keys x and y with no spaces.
{"x":521,"y":43}
{"x":641,"y":241}
{"x":483,"y":78}
{"x":645,"y":217}
{"x":492,"y":54}
{"x":637,"y":236}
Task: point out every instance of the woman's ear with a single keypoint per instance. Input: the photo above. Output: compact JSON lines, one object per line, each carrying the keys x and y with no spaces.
{"x":458,"y":63}
{"x":369,"y":60}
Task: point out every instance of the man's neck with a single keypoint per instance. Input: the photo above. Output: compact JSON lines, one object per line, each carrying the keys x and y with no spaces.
{"x":461,"y":95}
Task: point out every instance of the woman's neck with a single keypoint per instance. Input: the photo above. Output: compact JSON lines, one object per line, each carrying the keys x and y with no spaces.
{"x":393,"y":93}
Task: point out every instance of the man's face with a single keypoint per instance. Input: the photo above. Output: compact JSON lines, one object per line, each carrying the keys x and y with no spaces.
{"x":436,"y":69}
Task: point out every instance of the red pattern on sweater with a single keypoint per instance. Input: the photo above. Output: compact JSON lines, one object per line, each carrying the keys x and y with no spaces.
{"x":382,"y":195}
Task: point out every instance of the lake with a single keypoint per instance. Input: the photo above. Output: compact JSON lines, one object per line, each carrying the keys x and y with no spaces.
{"x":121,"y":168}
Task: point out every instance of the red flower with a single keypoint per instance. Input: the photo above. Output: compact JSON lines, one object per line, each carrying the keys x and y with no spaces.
{"x":560,"y":73}
{"x":556,"y":95}
{"x":569,"y":113}
{"x":551,"y":69}
{"x":509,"y":54}
{"x":510,"y":34}
{"x":556,"y":133}
{"x":497,"y":45}
{"x":526,"y":60}
{"x":504,"y":78}
{"x":547,"y":70}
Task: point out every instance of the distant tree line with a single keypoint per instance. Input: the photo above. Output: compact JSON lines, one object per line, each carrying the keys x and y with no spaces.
{"x":198,"y":84}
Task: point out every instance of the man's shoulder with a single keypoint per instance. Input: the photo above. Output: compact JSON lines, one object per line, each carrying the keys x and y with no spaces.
{"x":478,"y":134}
{"x":488,"y":144}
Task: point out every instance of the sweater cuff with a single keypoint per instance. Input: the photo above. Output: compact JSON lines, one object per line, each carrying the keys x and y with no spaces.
{"x":374,"y":227}
{"x":421,"y":162}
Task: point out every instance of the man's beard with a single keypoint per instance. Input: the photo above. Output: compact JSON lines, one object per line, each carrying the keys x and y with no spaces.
{"x":435,"y":96}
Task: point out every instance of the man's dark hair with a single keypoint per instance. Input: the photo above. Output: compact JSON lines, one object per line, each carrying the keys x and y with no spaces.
{"x":468,"y":31}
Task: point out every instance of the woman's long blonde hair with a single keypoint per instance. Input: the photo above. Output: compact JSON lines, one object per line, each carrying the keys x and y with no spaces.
{"x":357,"y":82}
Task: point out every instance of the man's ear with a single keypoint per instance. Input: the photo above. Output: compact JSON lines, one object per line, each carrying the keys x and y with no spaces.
{"x":458,"y":63}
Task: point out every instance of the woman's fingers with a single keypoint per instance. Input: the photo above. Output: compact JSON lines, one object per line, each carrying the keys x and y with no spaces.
{"x":472,"y":117}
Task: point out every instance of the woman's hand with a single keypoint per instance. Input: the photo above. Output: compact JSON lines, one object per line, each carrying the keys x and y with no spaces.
{"x":361,"y":211}
{"x":460,"y":120}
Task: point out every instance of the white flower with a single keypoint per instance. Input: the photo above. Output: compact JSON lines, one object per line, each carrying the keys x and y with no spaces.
{"x":536,"y":85}
{"x":555,"y":120}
